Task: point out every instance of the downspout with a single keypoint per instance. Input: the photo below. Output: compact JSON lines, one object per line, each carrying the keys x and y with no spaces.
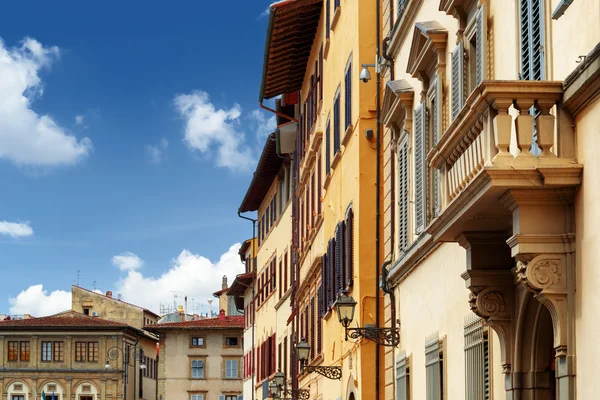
{"x":253,"y":314}
{"x":377,"y":193}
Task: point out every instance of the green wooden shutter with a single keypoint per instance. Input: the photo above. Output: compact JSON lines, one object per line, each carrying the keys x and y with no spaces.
{"x":532,"y":39}
{"x":402,"y":377}
{"x":433,"y":371}
{"x":420,"y":168}
{"x":349,"y":249}
{"x":348,"y":96}
{"x":336,"y":124}
{"x":339,"y":259}
{"x":481,"y":38}
{"x":403,"y":193}
{"x":328,"y":147}
{"x":457,"y":84}
{"x":477,"y":376}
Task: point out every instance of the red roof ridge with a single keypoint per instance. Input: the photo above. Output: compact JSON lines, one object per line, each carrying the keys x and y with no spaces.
{"x":63,"y":319}
{"x":225,"y":322}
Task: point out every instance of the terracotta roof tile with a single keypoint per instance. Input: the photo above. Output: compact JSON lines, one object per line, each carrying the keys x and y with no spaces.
{"x":71,"y":320}
{"x":226,"y":322}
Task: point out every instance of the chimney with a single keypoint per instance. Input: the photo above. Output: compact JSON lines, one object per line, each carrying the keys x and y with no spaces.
{"x":224,"y":284}
{"x":109,"y":294}
{"x":119,"y":296}
{"x":222,"y":315}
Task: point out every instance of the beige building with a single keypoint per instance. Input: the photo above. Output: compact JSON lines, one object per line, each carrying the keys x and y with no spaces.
{"x":490,"y":192}
{"x":66,"y":355}
{"x":108,"y":307}
{"x":201,"y":359}
{"x":267,"y":303}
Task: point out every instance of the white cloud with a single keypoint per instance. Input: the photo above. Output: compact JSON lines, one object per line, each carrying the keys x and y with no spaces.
{"x":209,"y":129}
{"x":127,"y":261}
{"x":264,"y":126}
{"x":156,"y":153}
{"x":37,"y":302}
{"x":15,"y":229}
{"x":26,"y":137}
{"x":191,"y":275}
{"x":78,"y":119}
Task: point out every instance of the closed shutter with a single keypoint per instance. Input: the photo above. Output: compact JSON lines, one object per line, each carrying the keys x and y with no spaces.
{"x":328,"y":147}
{"x":436,"y":127}
{"x":273,"y":354}
{"x":433,"y":369}
{"x":306,"y":322}
{"x":331,"y":272}
{"x":457,"y":84}
{"x":221,"y":397}
{"x":402,"y":377}
{"x":349,"y":246}
{"x":319,"y":185}
{"x":285,"y":355}
{"x":532,"y":40}
{"x":320,"y":320}
{"x":323,"y":288}
{"x":311,"y":324}
{"x":321,"y":72}
{"x":420,"y":168}
{"x":312,"y":201}
{"x":348,"y":96}
{"x":481,"y":73}
{"x":336,"y":124}
{"x":403,"y":193}
{"x":339,"y":259}
{"x":327,"y":18}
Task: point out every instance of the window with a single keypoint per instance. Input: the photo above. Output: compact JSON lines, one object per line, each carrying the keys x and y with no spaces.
{"x":231,"y":369}
{"x":24,"y":351}
{"x":402,"y":185}
{"x":434,"y":369}
{"x":197,"y":397}
{"x":18,"y":397}
{"x":86,"y":351}
{"x":327,"y":18}
{"x":59,"y":351}
{"x":13,"y":351}
{"x":92,"y":351}
{"x":229,"y":397}
{"x":197,"y":369}
{"x":198,"y":342}
{"x":348,"y":95}
{"x":231,"y":341}
{"x":434,"y":97}
{"x":402,"y":378}
{"x":420,"y":123}
{"x":86,"y":311}
{"x":531,"y":40}
{"x":46,"y":351}
{"x":349,"y":249}
{"x":477,"y":359}
{"x":336,"y":123}
{"x":339,"y":259}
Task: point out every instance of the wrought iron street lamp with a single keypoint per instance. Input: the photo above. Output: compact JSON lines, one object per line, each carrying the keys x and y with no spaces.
{"x":134,"y":353}
{"x":345,"y":306}
{"x":328,"y":371}
{"x":278,"y":391}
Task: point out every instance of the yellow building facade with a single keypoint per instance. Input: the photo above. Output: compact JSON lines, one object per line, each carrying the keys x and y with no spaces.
{"x":488,"y":187}
{"x":65,"y":355}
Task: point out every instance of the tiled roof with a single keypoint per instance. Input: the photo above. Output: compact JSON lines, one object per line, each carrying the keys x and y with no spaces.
{"x":224,"y":322}
{"x":118,"y":300}
{"x":218,"y":293}
{"x":70,"y":320}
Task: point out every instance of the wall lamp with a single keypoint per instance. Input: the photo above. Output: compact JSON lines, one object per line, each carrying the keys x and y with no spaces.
{"x":329,"y":372}
{"x":345,"y":306}
{"x":277,"y":391}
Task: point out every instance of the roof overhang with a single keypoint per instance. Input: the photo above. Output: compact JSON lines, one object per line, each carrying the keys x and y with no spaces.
{"x":240,"y":284}
{"x":290,"y":34}
{"x":267,"y":169}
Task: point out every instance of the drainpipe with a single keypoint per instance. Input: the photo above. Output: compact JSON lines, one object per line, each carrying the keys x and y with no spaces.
{"x":378,"y":194}
{"x":253,"y":314}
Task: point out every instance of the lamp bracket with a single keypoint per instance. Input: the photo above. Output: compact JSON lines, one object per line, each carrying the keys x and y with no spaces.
{"x":300,"y":394}
{"x":382,"y":336}
{"x":329,"y":372}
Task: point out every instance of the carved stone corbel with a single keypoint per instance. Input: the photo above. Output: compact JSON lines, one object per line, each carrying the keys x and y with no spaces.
{"x":546,"y":277}
{"x":494,"y":305}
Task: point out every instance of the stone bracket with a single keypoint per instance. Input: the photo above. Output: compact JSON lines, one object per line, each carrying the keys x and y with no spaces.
{"x":546,"y":277}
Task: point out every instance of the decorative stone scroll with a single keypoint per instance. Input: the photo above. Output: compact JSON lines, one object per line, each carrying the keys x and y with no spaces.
{"x":546,"y":277}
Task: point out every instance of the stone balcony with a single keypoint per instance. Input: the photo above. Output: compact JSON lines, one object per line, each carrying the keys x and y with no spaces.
{"x":495,"y":145}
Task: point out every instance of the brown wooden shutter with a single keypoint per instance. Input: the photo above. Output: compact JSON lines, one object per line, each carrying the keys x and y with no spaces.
{"x":349,"y":247}
{"x":312,"y":200}
{"x":323,"y":287}
{"x":312,"y":328}
{"x":319,"y":185}
{"x":320,"y":320}
{"x":339,"y":259}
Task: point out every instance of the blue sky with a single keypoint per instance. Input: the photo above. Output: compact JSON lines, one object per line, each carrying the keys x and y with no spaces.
{"x":136,"y":131}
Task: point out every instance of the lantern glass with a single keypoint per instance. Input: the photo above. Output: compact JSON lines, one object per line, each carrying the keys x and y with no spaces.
{"x":303,"y":349}
{"x":345,"y":306}
{"x":279,"y":378}
{"x":274,"y":388}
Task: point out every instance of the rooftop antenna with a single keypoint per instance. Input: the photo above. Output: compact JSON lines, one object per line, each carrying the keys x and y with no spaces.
{"x":78,"y":271}
{"x":94,"y":285}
